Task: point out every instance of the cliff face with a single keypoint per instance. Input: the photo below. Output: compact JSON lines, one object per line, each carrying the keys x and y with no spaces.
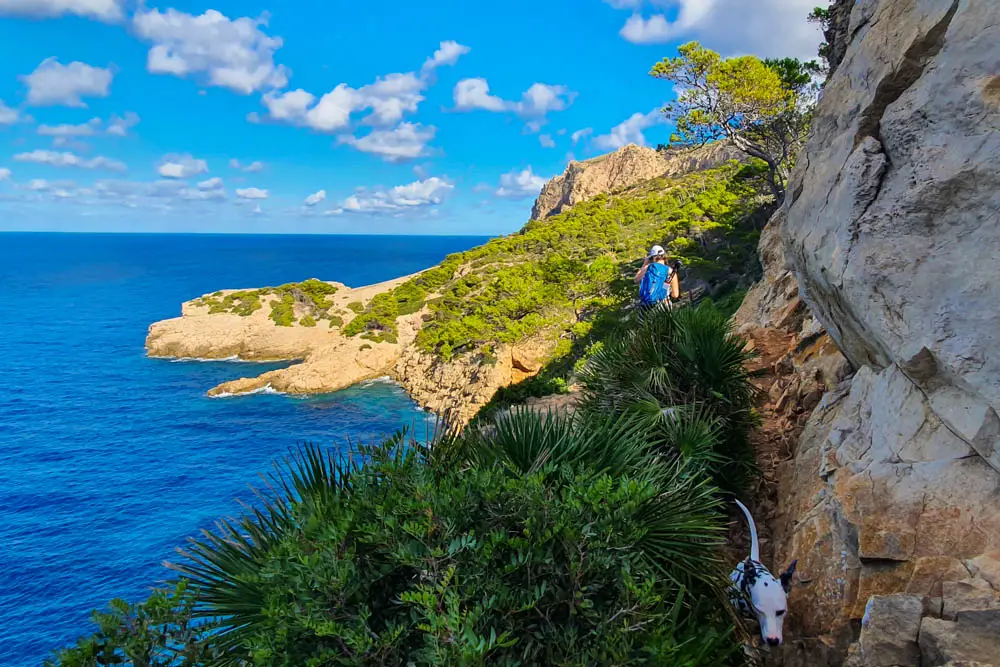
{"x":891,"y":501}
{"x":621,"y":169}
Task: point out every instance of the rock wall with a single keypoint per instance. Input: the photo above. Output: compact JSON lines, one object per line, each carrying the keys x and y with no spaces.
{"x":624,"y":168}
{"x":891,"y":501}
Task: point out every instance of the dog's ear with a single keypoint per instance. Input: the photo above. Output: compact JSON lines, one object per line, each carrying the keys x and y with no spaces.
{"x":786,"y":577}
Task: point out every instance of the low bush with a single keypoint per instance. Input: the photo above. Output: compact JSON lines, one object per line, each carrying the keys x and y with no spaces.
{"x":685,"y":371}
{"x":283,"y":311}
{"x":541,"y":543}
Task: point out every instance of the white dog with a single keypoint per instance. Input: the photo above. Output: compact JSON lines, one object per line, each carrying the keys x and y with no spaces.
{"x":756,"y":593}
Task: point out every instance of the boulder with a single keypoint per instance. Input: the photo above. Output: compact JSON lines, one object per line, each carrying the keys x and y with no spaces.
{"x":973,"y":637}
{"x":889,"y":632}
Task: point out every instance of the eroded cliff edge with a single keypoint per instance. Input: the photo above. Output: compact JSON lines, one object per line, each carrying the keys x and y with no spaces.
{"x":890,"y":498}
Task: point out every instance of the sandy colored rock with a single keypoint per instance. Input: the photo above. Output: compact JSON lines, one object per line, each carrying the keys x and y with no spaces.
{"x":622,"y":169}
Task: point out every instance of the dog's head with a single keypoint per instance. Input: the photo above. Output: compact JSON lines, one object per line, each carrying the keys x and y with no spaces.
{"x":769,"y":597}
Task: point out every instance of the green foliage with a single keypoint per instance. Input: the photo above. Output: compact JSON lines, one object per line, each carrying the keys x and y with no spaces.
{"x":243,"y":302}
{"x":356,"y":306}
{"x":160,"y":632}
{"x":824,"y":17}
{"x":763,"y":109}
{"x":559,"y":272}
{"x":336,"y":321}
{"x":378,"y":321}
{"x":597,"y":555}
{"x":307,"y":321}
{"x":283,"y":311}
{"x":688,"y":363}
{"x":796,"y":75}
{"x":311,"y":295}
{"x":727,"y":305}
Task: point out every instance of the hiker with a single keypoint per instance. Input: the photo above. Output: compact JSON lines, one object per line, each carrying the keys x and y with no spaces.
{"x":654,"y":278}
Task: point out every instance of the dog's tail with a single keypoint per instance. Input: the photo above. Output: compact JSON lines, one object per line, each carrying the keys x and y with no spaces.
{"x":754,"y":544}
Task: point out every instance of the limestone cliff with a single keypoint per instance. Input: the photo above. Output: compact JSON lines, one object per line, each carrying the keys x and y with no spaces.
{"x":621,"y":169}
{"x":891,"y":496}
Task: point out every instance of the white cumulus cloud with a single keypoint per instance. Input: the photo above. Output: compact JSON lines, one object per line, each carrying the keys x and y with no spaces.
{"x":102,"y":10}
{"x":53,"y":83}
{"x":407,"y":141}
{"x":119,"y":126}
{"x":115,"y":126}
{"x":210,"y":184}
{"x":727,"y":26}
{"x":252,"y":193}
{"x":8,"y":116}
{"x":535,"y":103}
{"x":400,"y":199}
{"x":630,"y":131}
{"x":581,"y":134}
{"x":387,"y":100}
{"x":181,"y":166}
{"x":520,"y":184}
{"x":67,"y":159}
{"x":546,"y":141}
{"x":447,"y":54}
{"x":252,"y":167}
{"x":315,"y":198}
{"x":5,"y":174}
{"x":230,"y":53}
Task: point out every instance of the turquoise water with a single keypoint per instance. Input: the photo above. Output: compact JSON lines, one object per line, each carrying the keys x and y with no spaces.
{"x":109,"y":459}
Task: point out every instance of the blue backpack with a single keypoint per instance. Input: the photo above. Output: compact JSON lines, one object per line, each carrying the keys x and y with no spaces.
{"x":653,"y":288}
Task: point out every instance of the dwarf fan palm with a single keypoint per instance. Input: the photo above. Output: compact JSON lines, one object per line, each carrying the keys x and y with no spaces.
{"x":688,"y":362}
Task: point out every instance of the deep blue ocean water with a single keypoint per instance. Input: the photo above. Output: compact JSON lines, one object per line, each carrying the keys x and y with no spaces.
{"x":108,"y":459}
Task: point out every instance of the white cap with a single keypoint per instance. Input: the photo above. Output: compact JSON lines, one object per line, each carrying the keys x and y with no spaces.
{"x":656,"y":251}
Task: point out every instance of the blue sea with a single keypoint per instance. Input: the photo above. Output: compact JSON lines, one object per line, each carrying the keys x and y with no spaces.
{"x":109,"y":459}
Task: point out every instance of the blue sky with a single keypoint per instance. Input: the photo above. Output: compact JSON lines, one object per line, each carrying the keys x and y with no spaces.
{"x":398,"y":117}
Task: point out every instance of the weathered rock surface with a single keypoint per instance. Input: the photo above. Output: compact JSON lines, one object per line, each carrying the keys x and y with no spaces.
{"x":892,"y":223}
{"x":460,"y":388}
{"x":890,"y":499}
{"x":622,"y":169}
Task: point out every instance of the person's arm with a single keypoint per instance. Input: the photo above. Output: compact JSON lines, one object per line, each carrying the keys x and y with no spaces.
{"x":642,"y":271}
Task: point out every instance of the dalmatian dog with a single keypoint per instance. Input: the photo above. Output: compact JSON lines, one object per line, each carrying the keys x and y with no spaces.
{"x":756,"y":593}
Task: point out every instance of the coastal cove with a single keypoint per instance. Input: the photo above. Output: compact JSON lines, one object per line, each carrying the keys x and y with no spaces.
{"x":111,"y":458}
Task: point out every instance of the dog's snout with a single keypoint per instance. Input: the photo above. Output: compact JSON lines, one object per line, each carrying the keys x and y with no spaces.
{"x":773,"y":641}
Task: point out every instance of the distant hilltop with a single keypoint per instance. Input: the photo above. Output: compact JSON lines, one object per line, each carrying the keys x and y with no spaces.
{"x":626,"y":167}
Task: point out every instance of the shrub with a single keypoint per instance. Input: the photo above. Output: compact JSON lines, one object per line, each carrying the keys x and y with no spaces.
{"x":159,"y":632}
{"x":283,"y":311}
{"x":307,"y":321}
{"x":688,"y":362}
{"x":356,"y":306}
{"x":336,"y":321}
